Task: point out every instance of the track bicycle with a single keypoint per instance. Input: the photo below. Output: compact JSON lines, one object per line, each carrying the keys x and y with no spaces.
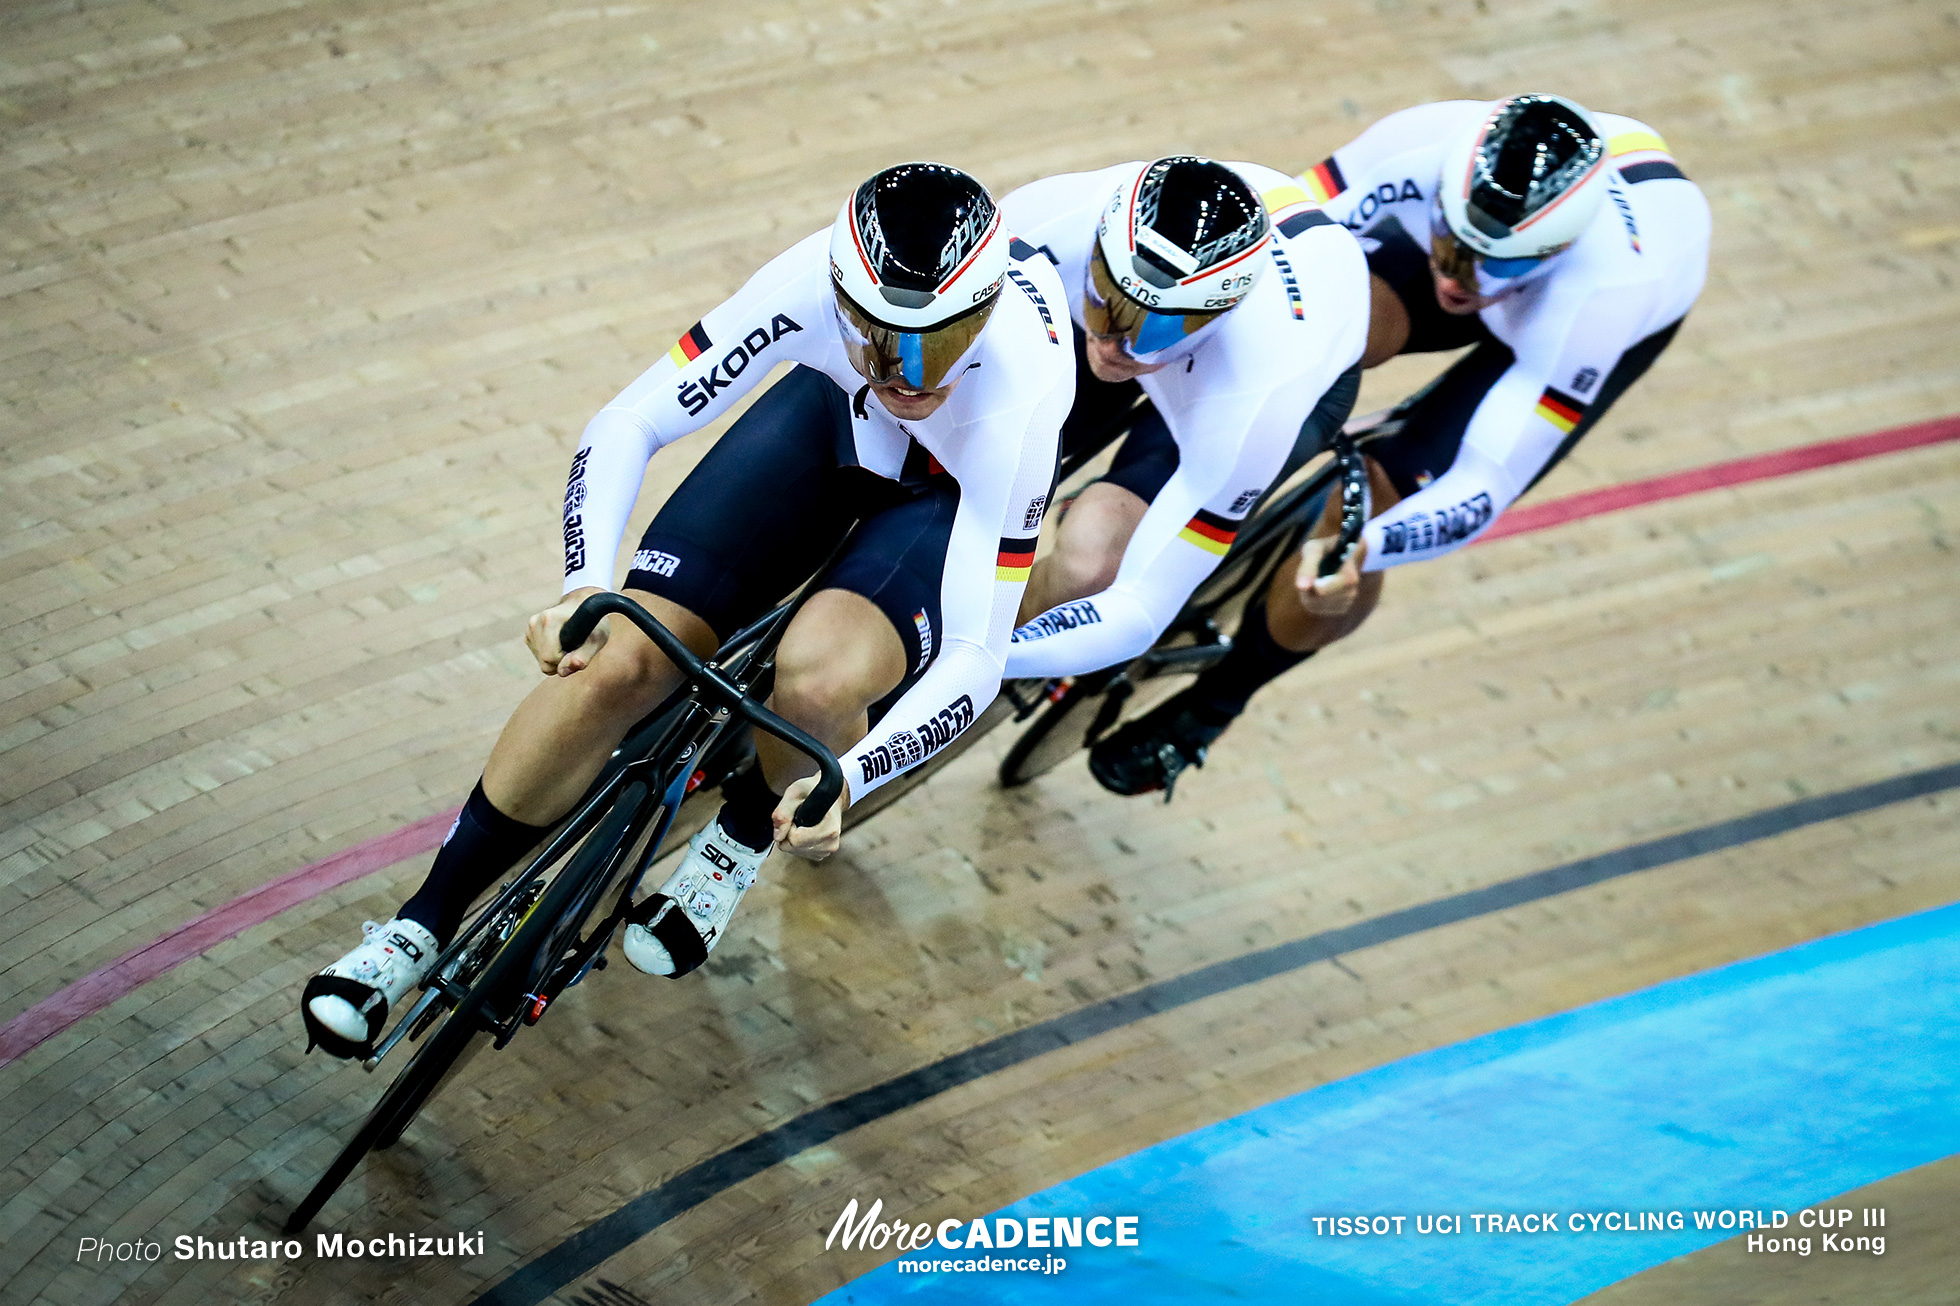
{"x":548,"y":927}
{"x":1074,"y":712}
{"x":1071,"y":714}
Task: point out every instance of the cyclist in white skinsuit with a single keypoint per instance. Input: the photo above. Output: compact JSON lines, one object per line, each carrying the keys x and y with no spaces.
{"x":1229,"y":396}
{"x":1566,"y":247}
{"x":994,"y":438}
{"x":928,"y":389}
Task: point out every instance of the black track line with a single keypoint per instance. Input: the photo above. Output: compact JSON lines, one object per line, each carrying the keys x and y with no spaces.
{"x":591,"y":1246}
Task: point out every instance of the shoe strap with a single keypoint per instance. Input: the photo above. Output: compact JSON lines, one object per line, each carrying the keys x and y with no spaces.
{"x":364,"y":998}
{"x":663,"y":918}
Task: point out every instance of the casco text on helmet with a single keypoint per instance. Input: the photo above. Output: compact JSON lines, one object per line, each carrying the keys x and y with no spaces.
{"x":917,"y":259}
{"x":1184,"y":234}
{"x":1527,"y":180}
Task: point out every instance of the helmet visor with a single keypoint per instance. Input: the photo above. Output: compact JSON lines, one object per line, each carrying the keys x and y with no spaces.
{"x":1111,"y":314}
{"x":1461,"y":264}
{"x":922,"y":360}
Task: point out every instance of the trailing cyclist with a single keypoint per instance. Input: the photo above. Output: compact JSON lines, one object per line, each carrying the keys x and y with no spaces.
{"x":1566,"y":247}
{"x":1223,"y":293}
{"x":924,"y":403}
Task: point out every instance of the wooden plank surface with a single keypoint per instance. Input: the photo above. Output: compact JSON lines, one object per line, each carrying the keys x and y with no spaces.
{"x":302,"y":308}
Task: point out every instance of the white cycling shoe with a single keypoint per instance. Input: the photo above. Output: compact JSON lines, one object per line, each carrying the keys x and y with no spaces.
{"x":346,"y":1005}
{"x":673,"y":931}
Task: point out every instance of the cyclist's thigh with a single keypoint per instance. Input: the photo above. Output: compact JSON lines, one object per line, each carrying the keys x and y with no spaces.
{"x":897,"y":560}
{"x":1330,"y":413}
{"x":758,"y":514}
{"x":1433,"y":427}
{"x":694,"y":632}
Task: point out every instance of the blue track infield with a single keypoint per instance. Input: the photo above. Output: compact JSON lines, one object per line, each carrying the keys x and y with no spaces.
{"x":1770,"y":1084}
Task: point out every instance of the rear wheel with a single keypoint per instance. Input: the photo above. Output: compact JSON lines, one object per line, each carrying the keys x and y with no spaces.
{"x":1084,"y":714}
{"x":1064,"y":728}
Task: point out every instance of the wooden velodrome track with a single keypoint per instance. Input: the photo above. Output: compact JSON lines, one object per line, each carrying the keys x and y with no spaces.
{"x":303,"y":308}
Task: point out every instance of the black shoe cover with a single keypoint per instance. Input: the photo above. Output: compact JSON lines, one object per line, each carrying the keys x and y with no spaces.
{"x":1150,"y":753}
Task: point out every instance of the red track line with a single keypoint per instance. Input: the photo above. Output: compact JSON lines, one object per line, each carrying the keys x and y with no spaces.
{"x":125,"y":974}
{"x":99,"y":988}
{"x":1740,"y":471}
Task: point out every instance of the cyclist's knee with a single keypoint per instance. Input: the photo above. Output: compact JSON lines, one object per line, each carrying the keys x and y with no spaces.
{"x":845,"y":658}
{"x":1084,"y":567}
{"x":818,"y":690}
{"x":629,"y":675}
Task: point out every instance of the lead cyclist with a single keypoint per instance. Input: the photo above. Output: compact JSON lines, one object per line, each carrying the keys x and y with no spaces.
{"x":1223,"y":293}
{"x":927,"y":390}
{"x":1565,"y":247}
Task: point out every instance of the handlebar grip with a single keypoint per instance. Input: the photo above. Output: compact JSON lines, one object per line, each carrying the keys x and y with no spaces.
{"x":1330,"y":561}
{"x":830,"y":784}
{"x":1355,"y":505}
{"x":578,"y":628}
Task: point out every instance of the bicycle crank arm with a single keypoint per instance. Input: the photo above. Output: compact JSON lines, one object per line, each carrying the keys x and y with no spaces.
{"x":401,"y":1029}
{"x":1187,"y":657}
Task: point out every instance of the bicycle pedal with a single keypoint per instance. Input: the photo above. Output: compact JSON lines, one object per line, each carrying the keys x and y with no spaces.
{"x":536,"y":1009}
{"x":1172,"y":763}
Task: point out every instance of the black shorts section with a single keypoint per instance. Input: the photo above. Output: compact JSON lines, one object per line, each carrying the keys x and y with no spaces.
{"x":762,"y":511}
{"x":1101,"y":412}
{"x":1435,"y":421}
{"x":1404,"y":265}
{"x":897,"y":559}
{"x":1330,"y":412}
{"x":1148,"y":457}
{"x":1101,"y":409}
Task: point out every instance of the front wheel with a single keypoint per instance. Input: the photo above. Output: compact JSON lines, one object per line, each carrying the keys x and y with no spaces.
{"x":1088,"y":710}
{"x":447,"y":1049}
{"x":494,"y":993}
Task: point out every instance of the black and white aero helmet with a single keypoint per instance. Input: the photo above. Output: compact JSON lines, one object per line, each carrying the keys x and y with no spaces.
{"x":917,"y":257}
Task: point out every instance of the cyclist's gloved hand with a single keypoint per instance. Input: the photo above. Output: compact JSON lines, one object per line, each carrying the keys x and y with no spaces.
{"x":810,"y":842}
{"x":1328,"y":596}
{"x":541,"y":634}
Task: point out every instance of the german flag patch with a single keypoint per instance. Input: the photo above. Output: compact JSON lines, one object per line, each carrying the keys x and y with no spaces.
{"x":1210,"y":532}
{"x":1560,"y":409}
{"x":1015,"y":561}
{"x":1324,"y":179}
{"x":690,"y":346}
